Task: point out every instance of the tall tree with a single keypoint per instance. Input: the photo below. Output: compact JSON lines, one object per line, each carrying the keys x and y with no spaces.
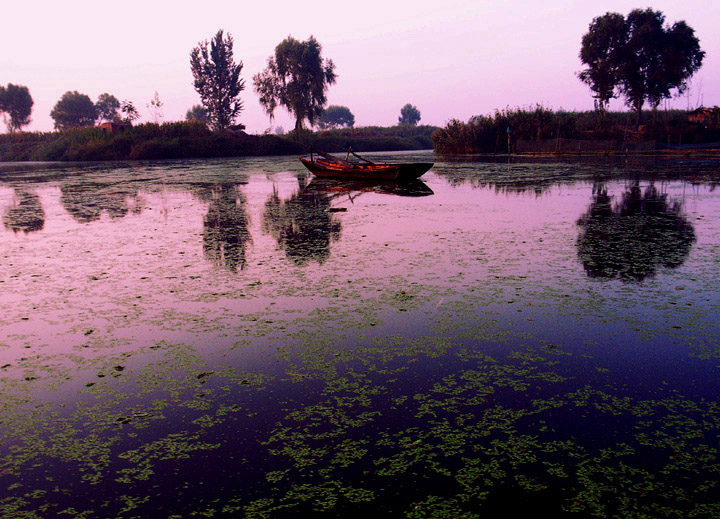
{"x":335,"y":117}
{"x":297,"y":78}
{"x":108,"y":107}
{"x":74,"y":110}
{"x":643,"y":59}
{"x":409,"y":115}
{"x":16,"y":106}
{"x":217,"y":79}
{"x":602,"y":50}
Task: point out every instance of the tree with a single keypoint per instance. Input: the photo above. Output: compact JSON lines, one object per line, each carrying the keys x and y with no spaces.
{"x":217,"y":79}
{"x":197,"y":113}
{"x":335,"y":117}
{"x":108,"y":107}
{"x":129,"y":110}
{"x":16,"y":106}
{"x":73,"y":110}
{"x":601,"y":51}
{"x":297,"y":78}
{"x":642,"y":59}
{"x":409,"y":115}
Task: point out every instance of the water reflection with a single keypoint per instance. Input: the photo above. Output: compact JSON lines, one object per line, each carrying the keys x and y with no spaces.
{"x":630,"y":240}
{"x":303,"y":224}
{"x":86,"y":201}
{"x":225,"y":226}
{"x":25,"y":214}
{"x":339,"y":188}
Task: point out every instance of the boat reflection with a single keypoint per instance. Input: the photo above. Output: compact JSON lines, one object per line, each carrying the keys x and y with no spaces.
{"x":25,"y":213}
{"x":335,"y":188}
{"x":632,"y":239}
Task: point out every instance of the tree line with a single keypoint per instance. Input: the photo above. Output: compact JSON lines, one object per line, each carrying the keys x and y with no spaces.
{"x":296,"y":78}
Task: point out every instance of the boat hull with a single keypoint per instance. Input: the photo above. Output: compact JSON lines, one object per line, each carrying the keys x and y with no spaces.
{"x":398,"y":172}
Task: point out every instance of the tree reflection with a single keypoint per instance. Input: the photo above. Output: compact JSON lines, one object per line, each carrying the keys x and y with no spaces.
{"x":86,"y":201}
{"x":25,"y":214}
{"x":302,"y":225}
{"x":630,"y":240}
{"x":225,"y":227}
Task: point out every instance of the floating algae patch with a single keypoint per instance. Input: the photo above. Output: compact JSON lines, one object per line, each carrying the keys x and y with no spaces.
{"x":217,"y":339}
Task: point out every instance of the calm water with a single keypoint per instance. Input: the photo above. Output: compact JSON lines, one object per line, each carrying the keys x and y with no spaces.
{"x":235,"y":339}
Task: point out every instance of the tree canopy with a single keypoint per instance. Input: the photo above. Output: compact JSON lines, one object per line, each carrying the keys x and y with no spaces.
{"x":217,"y":79}
{"x":197,"y":113}
{"x":638,"y":57}
{"x":74,"y":110}
{"x":16,"y":106}
{"x":409,"y":115}
{"x":335,"y":117}
{"x":108,"y":107}
{"x":297,"y":78}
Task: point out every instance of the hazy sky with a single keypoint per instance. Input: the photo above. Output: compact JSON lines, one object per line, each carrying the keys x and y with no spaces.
{"x":452,"y":59}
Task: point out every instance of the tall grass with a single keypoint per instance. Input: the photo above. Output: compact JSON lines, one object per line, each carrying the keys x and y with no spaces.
{"x":489,"y":133}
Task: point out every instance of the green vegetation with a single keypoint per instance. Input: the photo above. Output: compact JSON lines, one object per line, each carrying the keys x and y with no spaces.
{"x":638,"y":58}
{"x":217,"y":80}
{"x":336,"y":117}
{"x":297,"y":78}
{"x":596,"y":129}
{"x":74,"y":110}
{"x":197,"y":113}
{"x":193,"y":139}
{"x":108,"y":107}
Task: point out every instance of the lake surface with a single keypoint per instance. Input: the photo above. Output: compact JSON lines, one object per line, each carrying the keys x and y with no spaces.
{"x":233,"y":338}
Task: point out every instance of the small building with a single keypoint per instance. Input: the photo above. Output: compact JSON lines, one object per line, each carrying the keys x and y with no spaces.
{"x":708,"y":117}
{"x":115,"y":127}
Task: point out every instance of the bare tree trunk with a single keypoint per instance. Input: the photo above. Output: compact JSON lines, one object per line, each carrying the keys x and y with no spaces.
{"x":638,"y":111}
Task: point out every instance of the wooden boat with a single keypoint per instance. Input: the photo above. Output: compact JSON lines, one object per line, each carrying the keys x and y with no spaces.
{"x":324,"y":165}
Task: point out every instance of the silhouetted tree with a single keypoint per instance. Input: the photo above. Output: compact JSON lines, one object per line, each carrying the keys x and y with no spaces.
{"x":217,"y":79}
{"x":197,"y":113}
{"x":297,"y":78}
{"x":129,"y":111}
{"x":602,"y":50}
{"x":108,"y":107}
{"x":73,"y":110}
{"x":336,"y":117}
{"x":409,"y":115}
{"x":639,"y":57}
{"x":16,"y":106}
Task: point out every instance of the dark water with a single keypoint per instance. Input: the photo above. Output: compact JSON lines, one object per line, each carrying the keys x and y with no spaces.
{"x":235,"y":339}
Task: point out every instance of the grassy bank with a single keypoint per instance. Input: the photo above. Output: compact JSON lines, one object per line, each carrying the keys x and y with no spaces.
{"x":543,"y":130}
{"x":195,"y":140}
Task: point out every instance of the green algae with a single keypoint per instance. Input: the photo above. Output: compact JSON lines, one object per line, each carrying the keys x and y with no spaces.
{"x":443,"y":374}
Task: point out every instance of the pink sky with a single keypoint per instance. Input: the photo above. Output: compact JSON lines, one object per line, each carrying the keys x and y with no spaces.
{"x":450,"y":58}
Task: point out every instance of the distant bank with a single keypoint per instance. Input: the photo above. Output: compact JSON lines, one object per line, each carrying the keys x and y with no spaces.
{"x":540,"y":130}
{"x":194,"y":140}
